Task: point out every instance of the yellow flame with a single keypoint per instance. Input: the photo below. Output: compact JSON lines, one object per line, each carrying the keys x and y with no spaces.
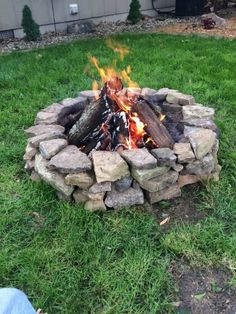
{"x":96,"y":89}
{"x":117,"y":47}
{"x":107,"y":73}
{"x":162,"y":117}
{"x":139,"y":125}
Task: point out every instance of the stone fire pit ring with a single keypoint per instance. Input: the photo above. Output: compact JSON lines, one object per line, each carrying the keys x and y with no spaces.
{"x":107,"y":179}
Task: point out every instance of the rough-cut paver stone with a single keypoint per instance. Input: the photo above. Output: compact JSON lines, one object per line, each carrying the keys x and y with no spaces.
{"x":171,"y":108}
{"x":132,"y":196}
{"x":29,"y":165}
{"x":143,"y":175}
{"x":201,"y":167}
{"x":49,"y":115}
{"x":164,"y":156}
{"x":160,"y":182}
{"x":52,"y":177}
{"x":79,"y":196}
{"x":53,"y":113}
{"x":89,"y":94}
{"x":188,"y":179}
{"x":162,"y":93}
{"x":36,"y":140}
{"x":202,"y":142}
{"x":123,"y":184}
{"x":178,"y":167}
{"x":73,"y":105}
{"x":95,"y":205}
{"x":173,"y":97}
{"x":42,"y":129}
{"x":139,"y":158}
{"x":186,"y":100}
{"x":166,"y":194}
{"x":201,"y":123}
{"x":70,"y":160}
{"x":184,"y":152}
{"x":53,"y":108}
{"x":83,"y":180}
{"x":132,"y":91}
{"x":64,"y":197}
{"x":35,"y":177}
{"x":94,"y":196}
{"x":148,"y":92}
{"x":214,"y":153}
{"x":215,"y":148}
{"x":100,"y":187}
{"x":197,"y":112}
{"x":179,"y":98}
{"x":191,"y":178}
{"x":109,"y":166}
{"x":189,"y":130}
{"x":30,"y":152}
{"x":50,"y":148}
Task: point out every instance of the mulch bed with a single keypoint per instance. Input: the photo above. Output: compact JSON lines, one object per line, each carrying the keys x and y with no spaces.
{"x":228,"y":31}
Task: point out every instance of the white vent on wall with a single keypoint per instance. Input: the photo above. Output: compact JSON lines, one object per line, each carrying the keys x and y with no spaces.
{"x":74,"y":9}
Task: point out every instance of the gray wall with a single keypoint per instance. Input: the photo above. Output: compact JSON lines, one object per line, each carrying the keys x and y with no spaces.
{"x":11,"y":11}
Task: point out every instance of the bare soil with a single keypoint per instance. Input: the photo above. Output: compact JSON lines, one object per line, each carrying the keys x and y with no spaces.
{"x":200,"y":291}
{"x":184,"y":208}
{"x":229,"y":30}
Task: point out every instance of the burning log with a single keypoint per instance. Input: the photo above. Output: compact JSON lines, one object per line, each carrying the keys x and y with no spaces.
{"x":153,"y":126}
{"x":119,"y":130}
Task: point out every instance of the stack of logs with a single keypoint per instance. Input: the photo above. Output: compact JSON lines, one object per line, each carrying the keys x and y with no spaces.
{"x":105,"y":123}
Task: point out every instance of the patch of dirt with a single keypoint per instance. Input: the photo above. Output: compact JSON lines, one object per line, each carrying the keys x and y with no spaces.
{"x":229,"y":30}
{"x":183,"y":209}
{"x":201,"y":291}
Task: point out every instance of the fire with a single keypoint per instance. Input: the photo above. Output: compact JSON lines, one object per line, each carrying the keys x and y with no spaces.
{"x":96,"y":89}
{"x":139,"y":125}
{"x":122,"y":50}
{"x":111,"y":79}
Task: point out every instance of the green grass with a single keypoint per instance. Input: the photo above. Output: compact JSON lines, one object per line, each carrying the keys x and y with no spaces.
{"x":71,"y":261}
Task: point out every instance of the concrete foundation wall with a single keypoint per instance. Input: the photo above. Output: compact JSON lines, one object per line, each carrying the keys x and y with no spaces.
{"x":49,"y":12}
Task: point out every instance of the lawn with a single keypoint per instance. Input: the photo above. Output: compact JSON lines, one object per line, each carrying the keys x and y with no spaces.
{"x":71,"y":261}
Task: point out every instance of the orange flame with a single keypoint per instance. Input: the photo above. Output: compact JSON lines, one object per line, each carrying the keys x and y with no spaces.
{"x":122,"y":50}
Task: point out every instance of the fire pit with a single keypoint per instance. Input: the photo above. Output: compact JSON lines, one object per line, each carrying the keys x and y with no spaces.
{"x":122,"y":146}
{"x":114,"y":147}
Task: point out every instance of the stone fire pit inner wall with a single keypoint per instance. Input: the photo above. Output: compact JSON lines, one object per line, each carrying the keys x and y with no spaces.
{"x":112,"y":180}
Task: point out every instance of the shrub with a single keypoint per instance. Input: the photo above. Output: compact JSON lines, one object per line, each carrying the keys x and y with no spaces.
{"x":134,"y":12}
{"x":30,"y":27}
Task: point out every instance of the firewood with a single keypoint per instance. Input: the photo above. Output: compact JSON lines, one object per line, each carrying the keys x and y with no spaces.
{"x":119,"y":130}
{"x":153,"y":126}
{"x":93,"y":116}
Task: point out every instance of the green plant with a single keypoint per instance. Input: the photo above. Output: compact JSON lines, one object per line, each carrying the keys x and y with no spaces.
{"x":30,"y":27}
{"x":134,"y":12}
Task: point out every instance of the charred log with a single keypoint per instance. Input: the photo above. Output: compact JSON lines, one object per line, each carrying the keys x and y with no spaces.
{"x":153,"y":126}
{"x":93,"y":116}
{"x":70,"y":120}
